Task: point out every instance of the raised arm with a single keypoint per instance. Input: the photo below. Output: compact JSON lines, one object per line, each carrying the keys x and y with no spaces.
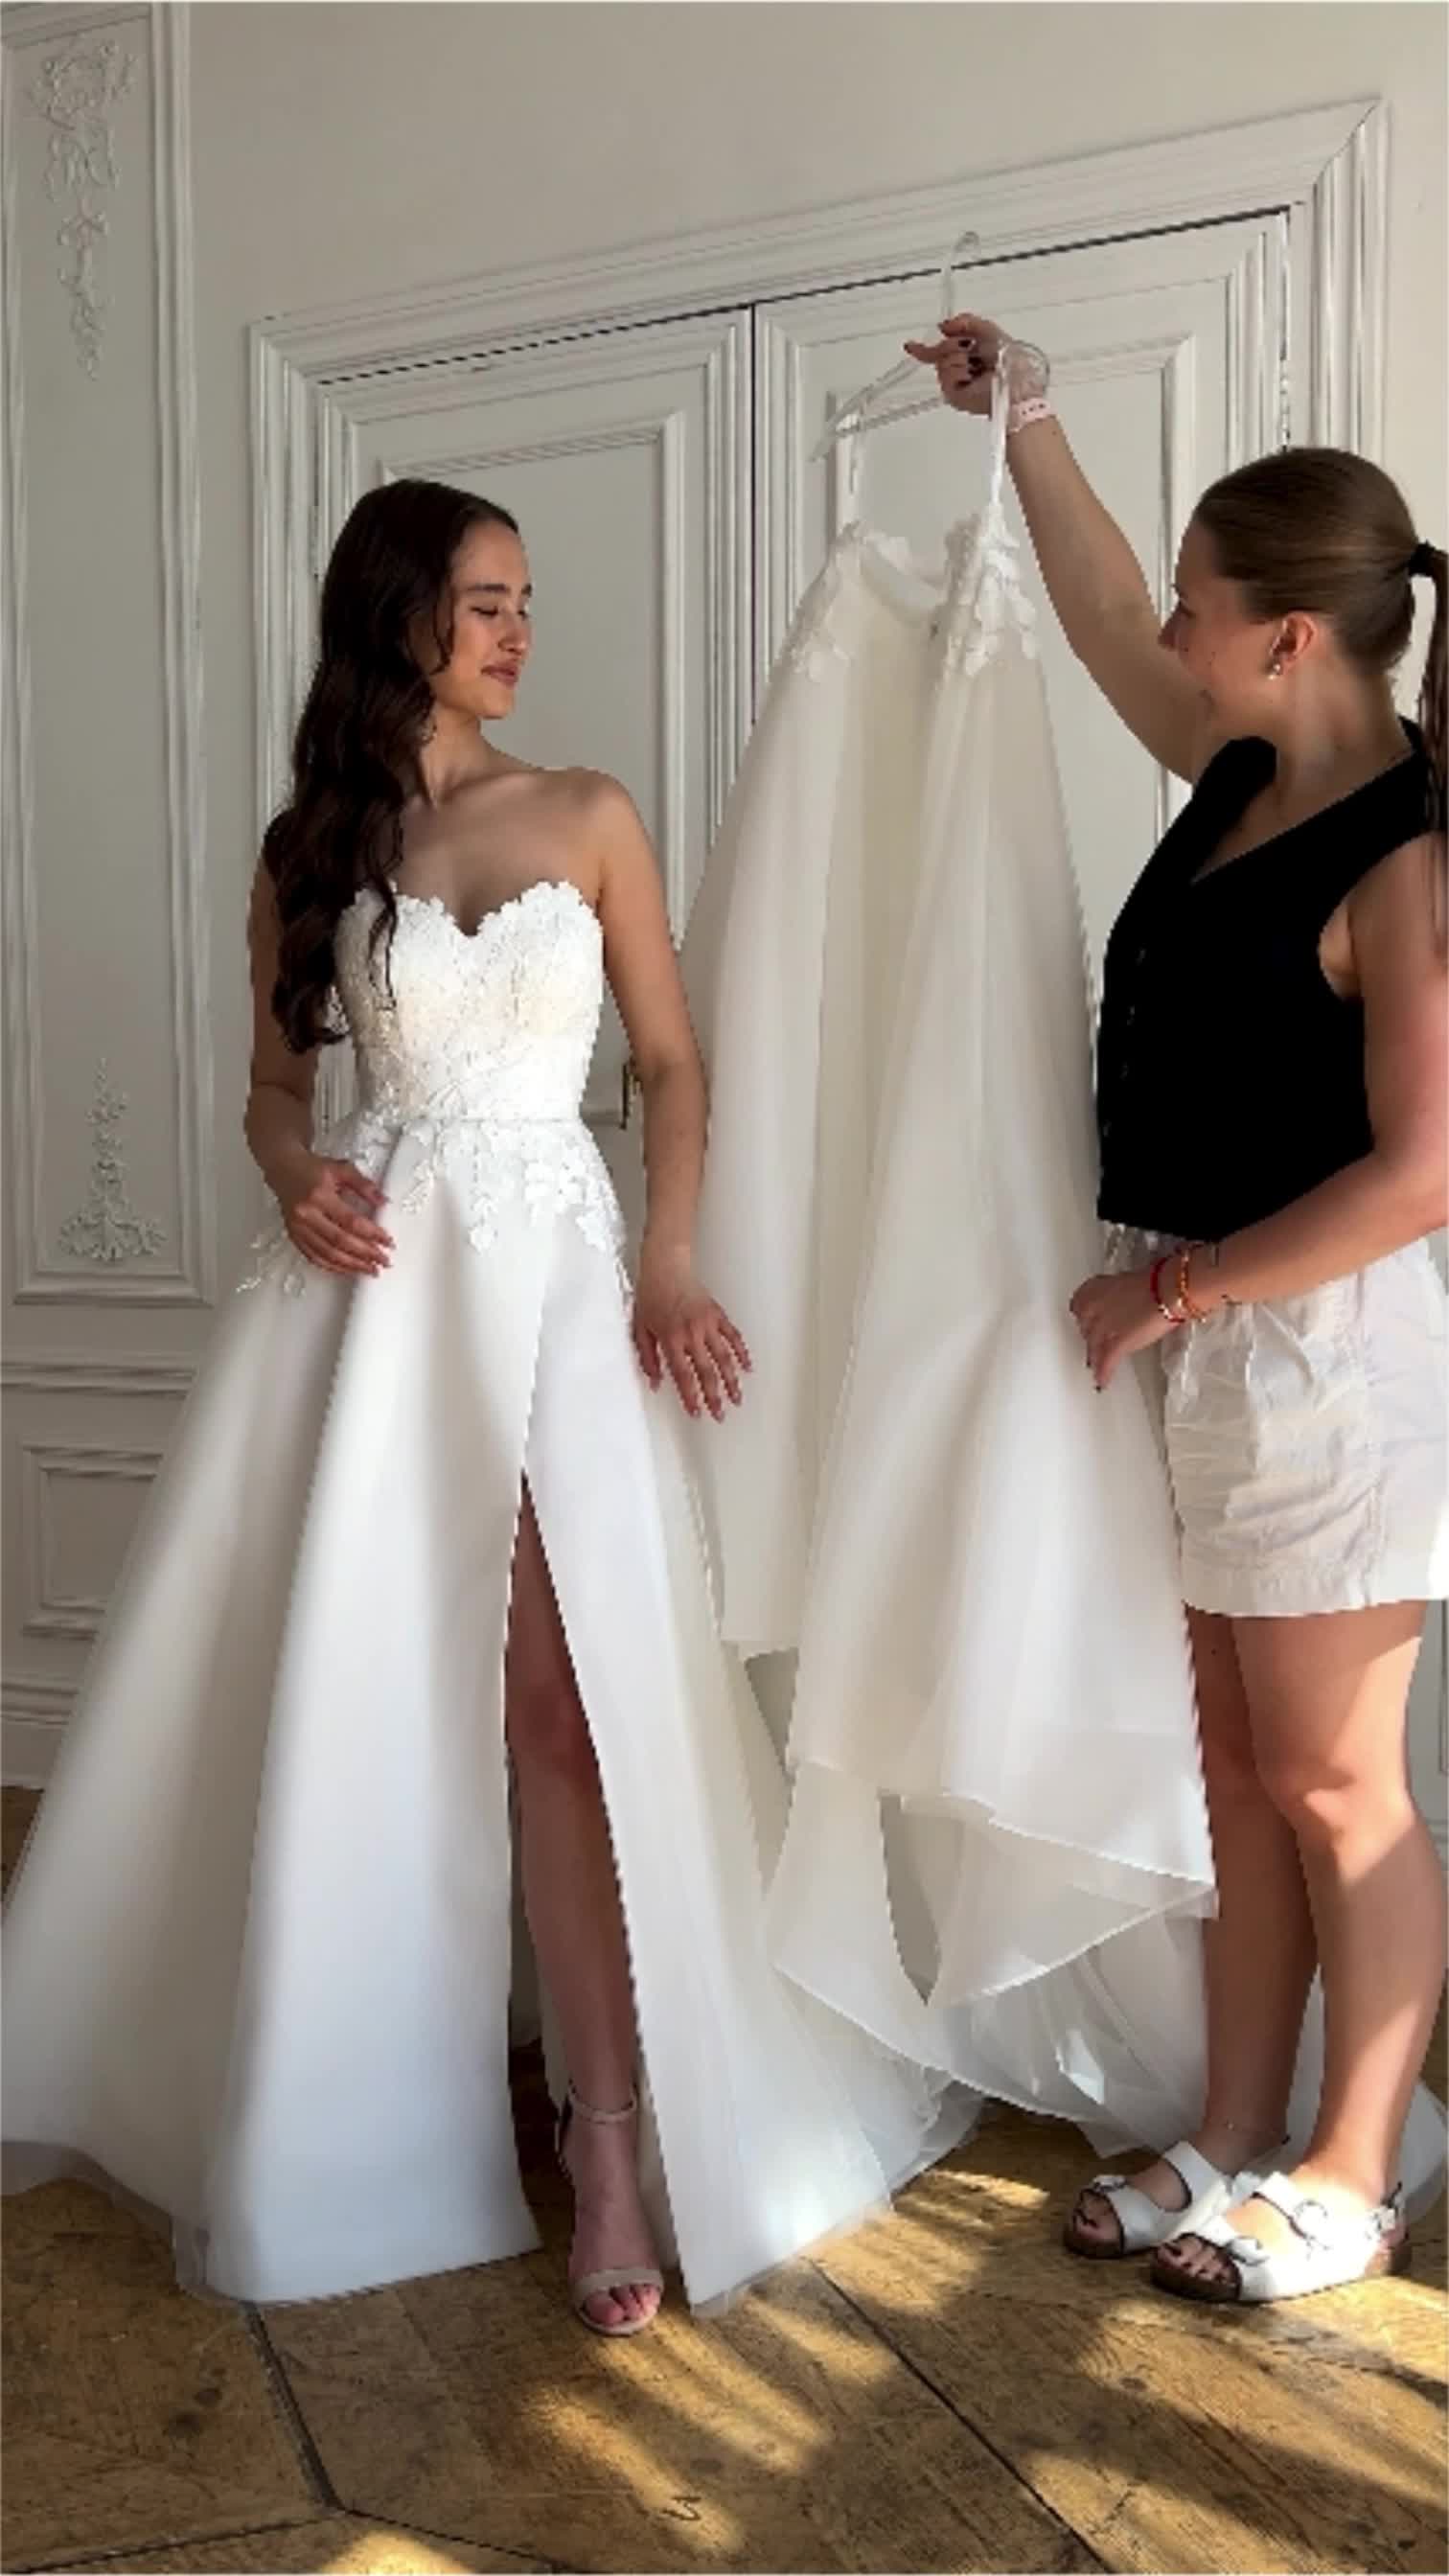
{"x":1093,"y":578}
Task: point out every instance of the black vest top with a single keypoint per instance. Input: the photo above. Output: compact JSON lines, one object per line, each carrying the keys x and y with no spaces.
{"x":1230,"y":1076}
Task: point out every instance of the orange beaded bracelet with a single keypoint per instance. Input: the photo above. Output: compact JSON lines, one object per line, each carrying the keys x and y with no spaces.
{"x":1195,"y":1314}
{"x":1173,"y":1315}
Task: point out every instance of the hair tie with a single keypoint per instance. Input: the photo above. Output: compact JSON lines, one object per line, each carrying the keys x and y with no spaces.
{"x":1421,"y":561}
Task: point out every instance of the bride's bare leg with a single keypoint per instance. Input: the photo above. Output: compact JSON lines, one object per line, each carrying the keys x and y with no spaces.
{"x":571,"y":1897}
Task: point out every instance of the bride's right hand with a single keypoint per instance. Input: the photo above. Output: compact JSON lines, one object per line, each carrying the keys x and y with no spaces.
{"x":964,"y":358}
{"x":318,"y":1201}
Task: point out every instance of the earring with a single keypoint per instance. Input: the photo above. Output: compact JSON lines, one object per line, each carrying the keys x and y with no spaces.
{"x":1275,"y":668}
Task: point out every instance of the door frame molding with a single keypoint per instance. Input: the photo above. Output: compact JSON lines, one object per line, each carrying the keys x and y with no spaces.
{"x":1328,"y":161}
{"x":312,"y":372}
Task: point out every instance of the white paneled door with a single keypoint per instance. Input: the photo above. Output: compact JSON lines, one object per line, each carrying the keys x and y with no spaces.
{"x":625,"y":459}
{"x":664,"y":480}
{"x":1166,"y":370}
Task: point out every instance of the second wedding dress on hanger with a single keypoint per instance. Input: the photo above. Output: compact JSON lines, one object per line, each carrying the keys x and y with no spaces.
{"x":997,"y":1858}
{"x":998,"y":1848}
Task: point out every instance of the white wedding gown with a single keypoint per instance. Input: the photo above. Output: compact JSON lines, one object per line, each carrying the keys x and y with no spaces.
{"x":257,"y":1961}
{"x":998,"y":1854}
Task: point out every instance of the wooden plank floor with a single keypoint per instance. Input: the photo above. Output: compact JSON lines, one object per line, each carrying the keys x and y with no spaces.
{"x":945,"y":2390}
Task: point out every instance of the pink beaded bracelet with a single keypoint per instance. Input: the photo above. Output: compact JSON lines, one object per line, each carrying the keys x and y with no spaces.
{"x":1022,"y":414}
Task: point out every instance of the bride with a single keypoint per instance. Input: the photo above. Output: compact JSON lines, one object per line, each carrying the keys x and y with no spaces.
{"x":426,"y":1527}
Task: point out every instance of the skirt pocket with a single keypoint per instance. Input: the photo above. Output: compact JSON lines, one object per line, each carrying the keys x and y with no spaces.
{"x":1275,"y":1446}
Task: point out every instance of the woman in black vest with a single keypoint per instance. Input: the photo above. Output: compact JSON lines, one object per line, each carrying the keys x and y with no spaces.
{"x":1271,"y":1102}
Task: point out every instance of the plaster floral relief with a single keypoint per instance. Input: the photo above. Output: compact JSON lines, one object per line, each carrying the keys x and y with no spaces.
{"x":107,"y":1229}
{"x":76,"y":92}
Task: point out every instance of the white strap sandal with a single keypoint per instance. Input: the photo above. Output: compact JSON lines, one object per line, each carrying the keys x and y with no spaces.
{"x":624,"y":2276}
{"x":1328,"y":2249}
{"x":1140,"y":2221}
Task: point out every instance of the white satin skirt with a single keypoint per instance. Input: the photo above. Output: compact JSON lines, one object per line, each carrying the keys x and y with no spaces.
{"x":259,"y":1953}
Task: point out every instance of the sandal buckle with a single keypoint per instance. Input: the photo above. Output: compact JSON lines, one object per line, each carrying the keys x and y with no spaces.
{"x":1313,"y":2221}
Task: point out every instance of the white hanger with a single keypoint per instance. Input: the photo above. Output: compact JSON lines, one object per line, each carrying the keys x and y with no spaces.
{"x":850,"y":416}
{"x":862,"y":411}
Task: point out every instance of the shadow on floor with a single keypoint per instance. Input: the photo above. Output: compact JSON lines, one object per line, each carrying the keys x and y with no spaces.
{"x":945,"y":2390}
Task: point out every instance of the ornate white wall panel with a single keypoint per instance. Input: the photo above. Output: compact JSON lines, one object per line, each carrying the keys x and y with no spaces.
{"x":111,"y":1198}
{"x":110,"y":1204}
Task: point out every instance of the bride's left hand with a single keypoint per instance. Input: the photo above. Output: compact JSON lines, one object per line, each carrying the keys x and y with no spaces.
{"x":679,"y":1326}
{"x":1116,"y":1315}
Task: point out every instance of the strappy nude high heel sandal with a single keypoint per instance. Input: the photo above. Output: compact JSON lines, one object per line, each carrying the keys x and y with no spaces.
{"x":625,"y":2276}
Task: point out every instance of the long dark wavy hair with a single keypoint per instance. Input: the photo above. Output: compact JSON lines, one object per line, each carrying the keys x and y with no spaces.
{"x":366,"y":717}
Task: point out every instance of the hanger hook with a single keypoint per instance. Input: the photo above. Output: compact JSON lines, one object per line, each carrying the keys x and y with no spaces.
{"x":966,"y":241}
{"x":852,"y":413}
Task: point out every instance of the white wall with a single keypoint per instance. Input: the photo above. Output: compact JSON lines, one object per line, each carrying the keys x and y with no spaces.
{"x":338,"y":152}
{"x":341,"y":151}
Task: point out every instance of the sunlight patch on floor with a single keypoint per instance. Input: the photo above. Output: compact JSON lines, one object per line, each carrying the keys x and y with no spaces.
{"x":376,"y":2552}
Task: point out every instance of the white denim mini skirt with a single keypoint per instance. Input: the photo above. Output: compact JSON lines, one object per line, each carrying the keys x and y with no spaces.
{"x":1307,"y":1440}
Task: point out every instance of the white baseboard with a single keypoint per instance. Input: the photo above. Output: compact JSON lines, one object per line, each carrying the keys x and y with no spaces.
{"x":32,"y":1722}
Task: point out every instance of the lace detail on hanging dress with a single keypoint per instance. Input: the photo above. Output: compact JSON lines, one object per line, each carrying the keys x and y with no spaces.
{"x":987,"y":601}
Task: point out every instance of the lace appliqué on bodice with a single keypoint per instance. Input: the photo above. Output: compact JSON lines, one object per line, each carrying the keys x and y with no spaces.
{"x":474,"y":1048}
{"x":814,"y":640}
{"x":984,"y":604}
